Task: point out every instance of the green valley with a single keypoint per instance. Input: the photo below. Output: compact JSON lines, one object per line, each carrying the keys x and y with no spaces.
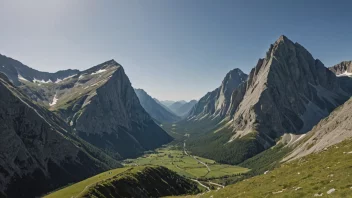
{"x":186,"y":165}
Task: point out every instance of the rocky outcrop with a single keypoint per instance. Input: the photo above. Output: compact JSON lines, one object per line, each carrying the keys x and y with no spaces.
{"x":217,"y":102}
{"x":38,"y":152}
{"x":342,"y":69}
{"x":287,"y":92}
{"x":157,"y":111}
{"x":17,"y":72}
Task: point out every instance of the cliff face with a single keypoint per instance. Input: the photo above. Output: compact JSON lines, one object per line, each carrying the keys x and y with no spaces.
{"x":288,"y":91}
{"x":217,"y":102}
{"x":38,"y":153}
{"x":113,"y":119}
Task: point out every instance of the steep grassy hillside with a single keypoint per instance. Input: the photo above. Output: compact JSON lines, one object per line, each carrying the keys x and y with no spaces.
{"x":141,"y":181}
{"x":326,"y":174}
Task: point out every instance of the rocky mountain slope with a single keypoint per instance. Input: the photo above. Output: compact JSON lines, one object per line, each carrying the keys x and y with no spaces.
{"x":150,"y":181}
{"x":334,"y":129}
{"x":217,"y":102}
{"x":102,"y":107}
{"x":154,"y":109}
{"x":100,"y":104}
{"x":287,"y":92}
{"x":342,"y":69}
{"x":38,"y":151}
{"x":16,"y":71}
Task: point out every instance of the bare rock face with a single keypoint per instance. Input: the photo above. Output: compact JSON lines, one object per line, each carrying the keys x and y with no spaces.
{"x":342,"y":69}
{"x":113,"y":119}
{"x":287,"y":92}
{"x":217,"y":102}
{"x":329,"y":131}
{"x":38,"y":152}
{"x":156,"y":110}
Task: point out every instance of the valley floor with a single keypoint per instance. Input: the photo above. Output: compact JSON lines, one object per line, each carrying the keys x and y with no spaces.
{"x":183,"y":163}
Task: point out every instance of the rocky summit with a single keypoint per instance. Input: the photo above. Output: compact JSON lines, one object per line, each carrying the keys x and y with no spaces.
{"x":217,"y":103}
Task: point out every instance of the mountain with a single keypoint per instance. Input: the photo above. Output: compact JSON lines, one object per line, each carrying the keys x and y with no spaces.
{"x":342,"y":69}
{"x":102,"y":108}
{"x":39,"y":152}
{"x":155,"y":110}
{"x":287,"y":92}
{"x":141,"y":181}
{"x":176,"y":105}
{"x":320,"y":157}
{"x":217,"y":102}
{"x":167,"y":103}
{"x":184,"y":109}
{"x":16,"y":71}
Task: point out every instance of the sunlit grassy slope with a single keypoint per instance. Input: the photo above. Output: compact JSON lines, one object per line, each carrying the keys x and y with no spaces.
{"x":312,"y":176}
{"x":77,"y":188}
{"x":137,"y":181}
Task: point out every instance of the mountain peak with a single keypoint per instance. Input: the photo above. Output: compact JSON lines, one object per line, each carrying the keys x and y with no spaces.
{"x":282,"y":38}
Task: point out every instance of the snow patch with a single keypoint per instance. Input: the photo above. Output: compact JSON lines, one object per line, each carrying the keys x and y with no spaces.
{"x":98,"y":72}
{"x":41,"y":81}
{"x":55,"y":99}
{"x":58,"y":80}
{"x":344,"y":74}
{"x":21,"y":78}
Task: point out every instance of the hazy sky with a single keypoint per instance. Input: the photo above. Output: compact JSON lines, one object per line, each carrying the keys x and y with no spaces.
{"x":178,"y":49}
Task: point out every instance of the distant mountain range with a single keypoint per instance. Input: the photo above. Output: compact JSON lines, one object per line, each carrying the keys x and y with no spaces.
{"x":158,"y":111}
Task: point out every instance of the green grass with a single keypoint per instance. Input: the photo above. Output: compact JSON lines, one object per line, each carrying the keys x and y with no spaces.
{"x":305,"y":177}
{"x":174,"y":159}
{"x":79,"y":187}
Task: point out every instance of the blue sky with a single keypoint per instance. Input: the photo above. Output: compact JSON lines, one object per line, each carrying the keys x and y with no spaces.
{"x":175,"y":50}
